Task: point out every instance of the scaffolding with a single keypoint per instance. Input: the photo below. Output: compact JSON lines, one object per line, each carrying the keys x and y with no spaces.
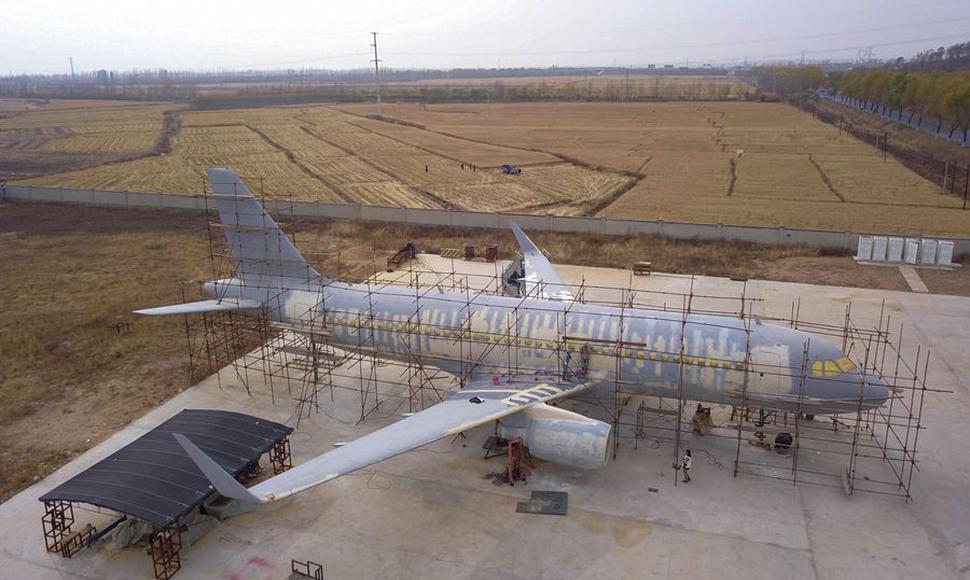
{"x":865,"y":450}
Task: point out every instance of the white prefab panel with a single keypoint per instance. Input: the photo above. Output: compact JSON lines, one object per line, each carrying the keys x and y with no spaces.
{"x":879,"y":247}
{"x":927,"y":252}
{"x":895,"y":250}
{"x":911,"y":250}
{"x":944,"y":255}
{"x":865,"y":248}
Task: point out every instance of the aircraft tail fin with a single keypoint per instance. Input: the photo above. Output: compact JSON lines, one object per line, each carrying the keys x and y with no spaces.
{"x":261,"y":252}
{"x":541,"y":279}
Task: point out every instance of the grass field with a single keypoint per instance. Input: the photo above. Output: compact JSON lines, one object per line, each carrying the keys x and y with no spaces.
{"x":727,"y":162}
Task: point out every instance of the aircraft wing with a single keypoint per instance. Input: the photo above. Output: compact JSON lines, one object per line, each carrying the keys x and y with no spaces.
{"x":203,"y":306}
{"x":541,"y":279}
{"x":470,"y":407}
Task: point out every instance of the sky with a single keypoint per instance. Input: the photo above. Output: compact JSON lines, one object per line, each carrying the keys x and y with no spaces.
{"x":39,"y":36}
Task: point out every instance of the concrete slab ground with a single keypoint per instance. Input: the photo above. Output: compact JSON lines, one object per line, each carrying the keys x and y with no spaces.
{"x":431,"y":513}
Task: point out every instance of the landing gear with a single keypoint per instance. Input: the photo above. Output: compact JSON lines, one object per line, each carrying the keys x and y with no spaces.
{"x":519,"y":461}
{"x":783,"y":442}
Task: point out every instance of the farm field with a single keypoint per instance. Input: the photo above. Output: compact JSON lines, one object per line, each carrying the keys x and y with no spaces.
{"x":318,"y":153}
{"x":707,"y":161}
{"x":727,"y":162}
{"x":46,"y":136}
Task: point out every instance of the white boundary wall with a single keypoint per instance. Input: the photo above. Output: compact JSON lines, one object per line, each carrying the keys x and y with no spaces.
{"x":469,"y":219}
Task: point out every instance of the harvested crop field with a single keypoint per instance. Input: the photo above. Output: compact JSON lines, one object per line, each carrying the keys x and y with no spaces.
{"x":728,"y":162}
{"x":707,"y":161}
{"x":38,"y":137}
{"x":318,"y":153}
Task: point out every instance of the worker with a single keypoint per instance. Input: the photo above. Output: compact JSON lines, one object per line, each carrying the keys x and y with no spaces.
{"x":462,"y":166}
{"x":701,"y":422}
{"x":685,"y":466}
{"x":425,"y":168}
{"x":584,"y":352}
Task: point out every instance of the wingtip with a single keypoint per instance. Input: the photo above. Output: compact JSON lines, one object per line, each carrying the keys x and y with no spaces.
{"x":224,"y":483}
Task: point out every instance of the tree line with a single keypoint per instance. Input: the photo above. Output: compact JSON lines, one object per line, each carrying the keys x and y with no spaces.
{"x":951,"y":58}
{"x":788,"y":80}
{"x":941,"y":96}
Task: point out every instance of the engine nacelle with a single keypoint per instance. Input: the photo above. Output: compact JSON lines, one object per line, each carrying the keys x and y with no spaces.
{"x":560,"y":436}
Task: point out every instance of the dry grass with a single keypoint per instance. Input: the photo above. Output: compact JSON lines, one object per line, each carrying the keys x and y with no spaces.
{"x":69,"y":378}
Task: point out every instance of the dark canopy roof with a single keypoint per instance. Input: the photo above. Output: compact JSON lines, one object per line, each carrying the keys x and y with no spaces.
{"x":152,"y":478}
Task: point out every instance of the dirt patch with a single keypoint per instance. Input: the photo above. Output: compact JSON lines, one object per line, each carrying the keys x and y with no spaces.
{"x":171,"y":123}
{"x":833,"y":271}
{"x":955,"y":282}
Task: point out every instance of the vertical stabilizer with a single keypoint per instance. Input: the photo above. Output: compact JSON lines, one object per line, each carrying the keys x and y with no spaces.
{"x":262,"y":254}
{"x":541,"y":279}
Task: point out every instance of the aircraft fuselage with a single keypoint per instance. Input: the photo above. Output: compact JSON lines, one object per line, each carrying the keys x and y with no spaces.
{"x":642,"y":351}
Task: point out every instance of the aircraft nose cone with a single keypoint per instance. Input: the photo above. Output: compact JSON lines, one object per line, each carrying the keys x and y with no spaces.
{"x":876,"y":390}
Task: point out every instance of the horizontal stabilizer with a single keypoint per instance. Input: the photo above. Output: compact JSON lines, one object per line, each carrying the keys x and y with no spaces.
{"x":222,"y":305}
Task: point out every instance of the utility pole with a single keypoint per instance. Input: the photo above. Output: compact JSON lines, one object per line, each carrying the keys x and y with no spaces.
{"x":626,"y":88}
{"x":377,"y":77}
{"x":71,"y":59}
{"x":966,"y":187}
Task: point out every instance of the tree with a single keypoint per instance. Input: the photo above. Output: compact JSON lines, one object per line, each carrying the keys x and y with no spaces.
{"x":956,"y":106}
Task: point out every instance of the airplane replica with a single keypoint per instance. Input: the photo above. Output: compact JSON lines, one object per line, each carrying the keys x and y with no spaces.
{"x":570,"y":350}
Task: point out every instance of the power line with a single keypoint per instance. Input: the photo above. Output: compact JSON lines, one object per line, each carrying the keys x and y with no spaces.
{"x":867,"y":47}
{"x":668,"y":25}
{"x":690,"y":46}
{"x":302,"y":61}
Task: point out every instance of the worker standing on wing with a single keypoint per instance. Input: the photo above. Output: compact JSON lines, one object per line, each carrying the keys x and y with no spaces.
{"x":685,"y":464}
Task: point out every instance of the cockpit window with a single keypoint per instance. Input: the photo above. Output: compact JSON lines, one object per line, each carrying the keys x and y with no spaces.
{"x":845,"y":365}
{"x":830,"y":368}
